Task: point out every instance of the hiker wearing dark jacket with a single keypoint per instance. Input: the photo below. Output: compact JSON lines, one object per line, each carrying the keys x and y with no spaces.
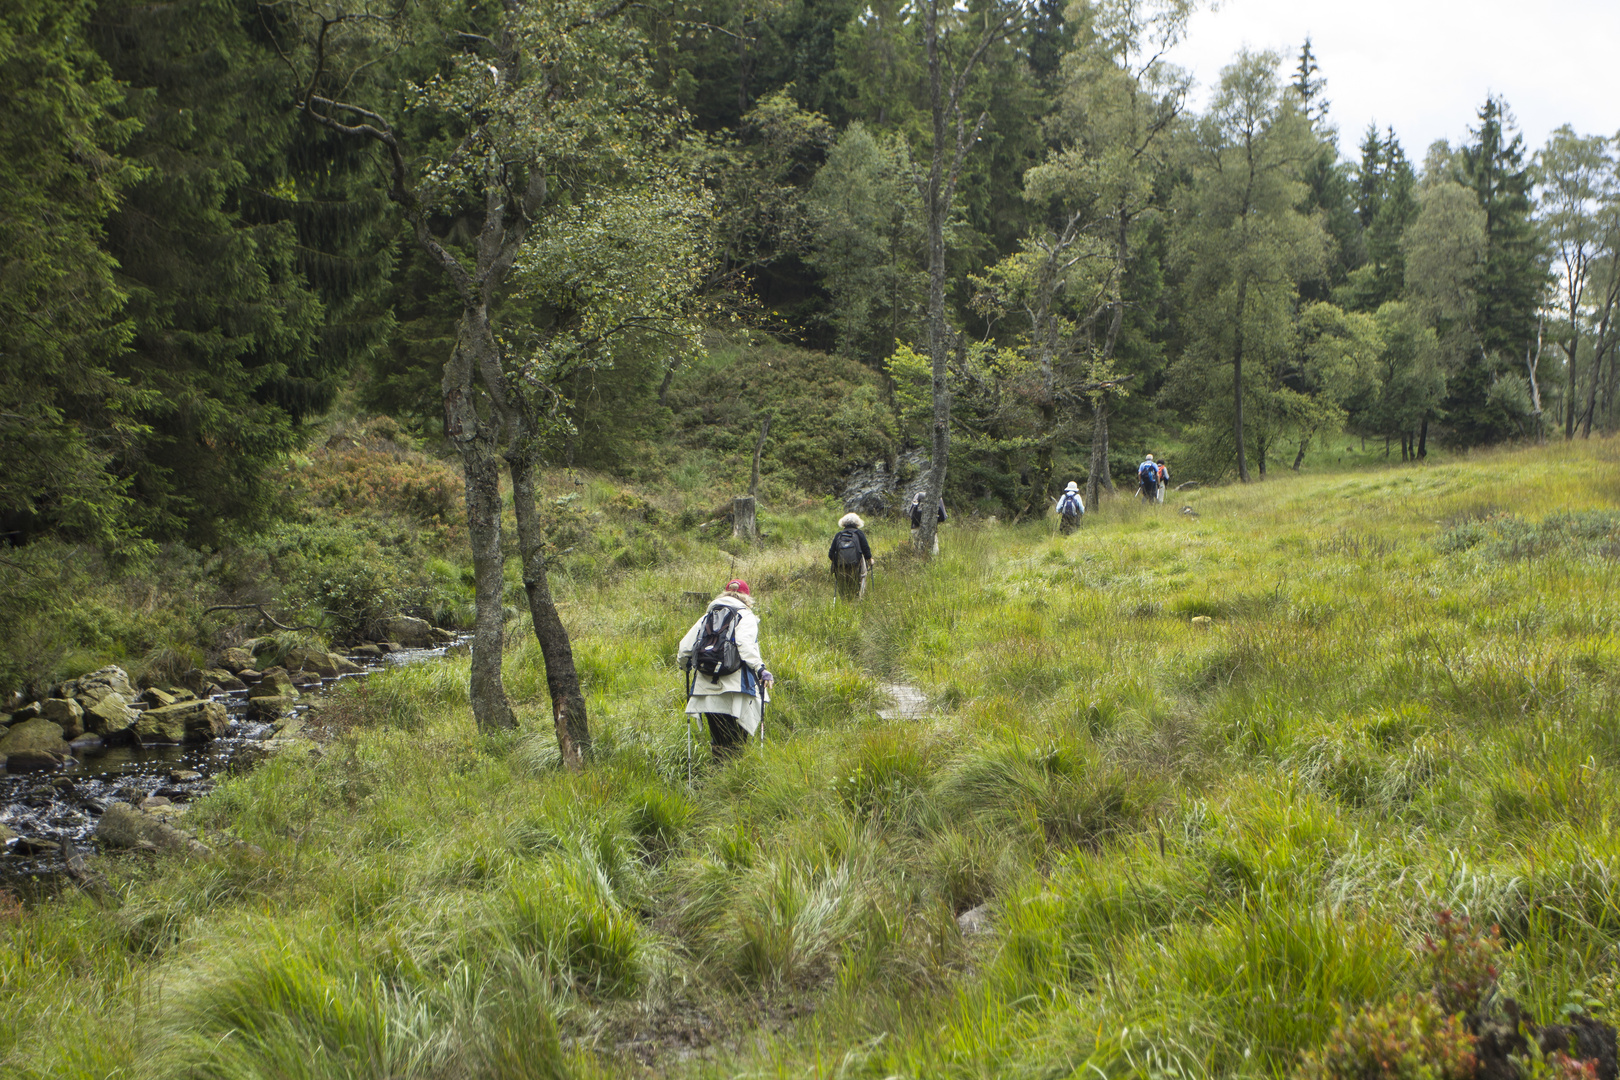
{"x":849,"y":568}
{"x":732,"y":704}
{"x":916,"y":518}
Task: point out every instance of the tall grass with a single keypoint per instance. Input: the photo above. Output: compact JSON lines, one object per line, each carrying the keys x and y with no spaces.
{"x":1196,"y":843}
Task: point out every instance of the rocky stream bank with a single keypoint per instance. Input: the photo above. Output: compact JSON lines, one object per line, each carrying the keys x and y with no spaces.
{"x":100,"y":760}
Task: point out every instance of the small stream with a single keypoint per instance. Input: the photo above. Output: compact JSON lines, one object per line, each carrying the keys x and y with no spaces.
{"x":48,"y":809}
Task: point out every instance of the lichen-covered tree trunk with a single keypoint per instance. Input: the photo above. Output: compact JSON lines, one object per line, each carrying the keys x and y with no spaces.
{"x":568,"y":713}
{"x":1237,"y":385}
{"x":1099,"y":478}
{"x":476,"y":443}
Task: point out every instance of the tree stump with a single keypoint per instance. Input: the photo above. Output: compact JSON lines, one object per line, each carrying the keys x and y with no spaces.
{"x":744,"y":522}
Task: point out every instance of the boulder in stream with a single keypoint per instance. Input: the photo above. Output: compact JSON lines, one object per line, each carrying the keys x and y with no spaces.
{"x":66,"y":714}
{"x":197,"y":681}
{"x":37,"y":736}
{"x":109,"y":716}
{"x":274,"y":682}
{"x":369,"y":651}
{"x":186,"y":721}
{"x":21,"y":761}
{"x":304,"y":658}
{"x":267,"y":709}
{"x":123,"y":826}
{"x":105,"y":696}
{"x":326,"y":665}
{"x":104,"y":682}
{"x":236,"y":660}
{"x":223,"y":679}
{"x":417,"y":633}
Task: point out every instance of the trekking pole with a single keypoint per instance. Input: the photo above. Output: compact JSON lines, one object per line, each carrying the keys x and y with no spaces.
{"x":761,"y":684}
{"x":689,"y":682}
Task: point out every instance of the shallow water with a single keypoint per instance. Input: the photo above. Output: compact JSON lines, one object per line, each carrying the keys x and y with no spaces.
{"x":48,"y":809}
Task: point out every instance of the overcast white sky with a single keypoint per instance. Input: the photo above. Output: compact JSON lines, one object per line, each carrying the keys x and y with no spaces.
{"x":1425,"y":66}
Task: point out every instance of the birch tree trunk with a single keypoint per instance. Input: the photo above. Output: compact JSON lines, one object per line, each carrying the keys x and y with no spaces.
{"x":952,"y":141}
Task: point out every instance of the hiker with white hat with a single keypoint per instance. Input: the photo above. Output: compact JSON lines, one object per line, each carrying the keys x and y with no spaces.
{"x":1070,"y":507}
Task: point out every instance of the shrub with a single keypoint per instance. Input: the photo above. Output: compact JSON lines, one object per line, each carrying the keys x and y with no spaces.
{"x":1410,"y":1038}
{"x":1463,"y":963}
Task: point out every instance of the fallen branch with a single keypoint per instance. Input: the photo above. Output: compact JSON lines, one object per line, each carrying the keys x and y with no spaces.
{"x":260,"y":609}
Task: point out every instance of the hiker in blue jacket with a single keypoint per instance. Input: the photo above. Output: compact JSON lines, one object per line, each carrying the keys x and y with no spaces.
{"x":1147,"y":478}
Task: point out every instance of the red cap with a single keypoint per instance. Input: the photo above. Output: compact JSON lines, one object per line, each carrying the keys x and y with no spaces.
{"x":737,"y":585}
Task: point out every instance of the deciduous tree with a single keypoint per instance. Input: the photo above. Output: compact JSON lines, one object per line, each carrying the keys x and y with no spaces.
{"x":1244,"y":247}
{"x":1574,"y":171}
{"x":1118,"y":104}
{"x":551,"y":127}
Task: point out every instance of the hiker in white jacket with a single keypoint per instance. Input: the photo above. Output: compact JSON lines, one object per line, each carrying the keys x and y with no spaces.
{"x":1070,"y":506}
{"x":732,"y":704}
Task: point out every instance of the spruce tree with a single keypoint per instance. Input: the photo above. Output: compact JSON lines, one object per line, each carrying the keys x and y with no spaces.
{"x":1309,"y":85}
{"x":64,"y":412}
{"x":1488,"y":401}
{"x":1332,"y":195}
{"x":243,"y":259}
{"x":1386,"y":204}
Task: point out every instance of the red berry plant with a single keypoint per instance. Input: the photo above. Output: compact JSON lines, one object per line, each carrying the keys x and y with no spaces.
{"x":1463,"y":963}
{"x":1408,"y":1038}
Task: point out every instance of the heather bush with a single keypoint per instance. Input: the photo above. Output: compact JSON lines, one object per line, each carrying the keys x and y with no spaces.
{"x":1408,"y":1038}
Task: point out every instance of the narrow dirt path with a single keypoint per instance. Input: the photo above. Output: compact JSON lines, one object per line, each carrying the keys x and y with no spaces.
{"x":910,"y":703}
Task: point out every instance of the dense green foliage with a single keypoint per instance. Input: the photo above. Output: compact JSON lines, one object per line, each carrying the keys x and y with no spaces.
{"x":1212,"y":847}
{"x":231,"y":265}
{"x":64,"y":412}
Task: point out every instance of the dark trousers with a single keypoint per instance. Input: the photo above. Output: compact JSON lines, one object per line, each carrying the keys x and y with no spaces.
{"x":848,"y":581}
{"x":726,"y":736}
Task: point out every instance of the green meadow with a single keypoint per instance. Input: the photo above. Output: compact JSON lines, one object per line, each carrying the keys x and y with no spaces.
{"x":1204,"y":778}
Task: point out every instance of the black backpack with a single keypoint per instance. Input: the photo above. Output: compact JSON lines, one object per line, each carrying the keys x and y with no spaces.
{"x":846,"y":548}
{"x":715,"y":651}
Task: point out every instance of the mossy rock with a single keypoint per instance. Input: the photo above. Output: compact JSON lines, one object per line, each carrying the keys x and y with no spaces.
{"x":109,"y":716}
{"x":183,"y":722}
{"x":33,"y":736}
{"x":65,"y":713}
{"x":270,"y":708}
